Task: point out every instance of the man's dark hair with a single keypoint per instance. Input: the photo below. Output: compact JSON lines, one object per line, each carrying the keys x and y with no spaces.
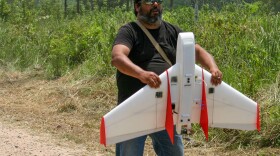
{"x":137,"y":3}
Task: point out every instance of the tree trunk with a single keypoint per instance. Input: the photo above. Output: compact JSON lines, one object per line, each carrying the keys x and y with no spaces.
{"x":65,"y":8}
{"x":78,"y":6}
{"x":36,"y":3}
{"x":10,"y":1}
{"x":127,"y":5}
{"x":109,"y":4}
{"x":171,"y":4}
{"x":91,"y":5}
{"x":196,"y":11}
{"x":87,"y":7}
{"x":121,"y":3}
{"x":100,"y":4}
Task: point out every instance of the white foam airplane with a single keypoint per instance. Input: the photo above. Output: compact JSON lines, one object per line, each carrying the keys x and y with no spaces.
{"x":185,"y":96}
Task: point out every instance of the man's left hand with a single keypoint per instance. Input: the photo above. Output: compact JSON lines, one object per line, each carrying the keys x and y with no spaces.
{"x":216,"y":77}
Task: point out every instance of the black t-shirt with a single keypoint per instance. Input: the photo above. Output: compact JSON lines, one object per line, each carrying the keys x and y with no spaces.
{"x":144,"y":54}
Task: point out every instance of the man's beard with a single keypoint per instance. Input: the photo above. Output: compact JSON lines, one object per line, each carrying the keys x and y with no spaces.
{"x":148,"y":18}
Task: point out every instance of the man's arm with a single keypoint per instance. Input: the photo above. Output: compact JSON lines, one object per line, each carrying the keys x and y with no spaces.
{"x":206,"y":60}
{"x":121,"y":61}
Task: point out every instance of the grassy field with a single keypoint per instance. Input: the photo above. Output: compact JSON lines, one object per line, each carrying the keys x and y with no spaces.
{"x":71,"y":111}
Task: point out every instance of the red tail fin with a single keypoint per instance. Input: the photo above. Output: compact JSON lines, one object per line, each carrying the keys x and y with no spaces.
{"x":204,"y":112}
{"x":102,"y":132}
{"x":258,"y":123}
{"x":169,"y":126}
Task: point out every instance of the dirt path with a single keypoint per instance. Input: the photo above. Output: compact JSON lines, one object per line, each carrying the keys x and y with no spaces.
{"x":29,"y":124}
{"x":19,"y":142}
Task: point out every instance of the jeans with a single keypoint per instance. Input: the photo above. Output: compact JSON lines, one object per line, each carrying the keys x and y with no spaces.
{"x":161,"y":143}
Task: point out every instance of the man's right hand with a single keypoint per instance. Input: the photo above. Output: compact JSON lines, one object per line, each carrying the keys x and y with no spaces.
{"x":150,"y":78}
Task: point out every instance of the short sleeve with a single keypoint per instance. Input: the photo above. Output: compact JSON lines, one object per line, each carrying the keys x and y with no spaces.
{"x":125,"y":36}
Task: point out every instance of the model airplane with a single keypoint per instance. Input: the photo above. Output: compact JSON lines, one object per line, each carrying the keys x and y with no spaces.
{"x":185,"y":96}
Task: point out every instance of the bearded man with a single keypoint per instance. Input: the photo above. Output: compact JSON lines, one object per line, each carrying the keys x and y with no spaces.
{"x":138,"y":64}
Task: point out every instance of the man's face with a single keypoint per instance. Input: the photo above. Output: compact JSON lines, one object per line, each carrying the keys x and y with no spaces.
{"x":150,"y":13}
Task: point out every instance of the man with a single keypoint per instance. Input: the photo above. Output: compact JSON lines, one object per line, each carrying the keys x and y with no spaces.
{"x":138,"y":63}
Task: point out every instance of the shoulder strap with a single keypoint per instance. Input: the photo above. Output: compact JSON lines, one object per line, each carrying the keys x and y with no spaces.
{"x":157,"y":46}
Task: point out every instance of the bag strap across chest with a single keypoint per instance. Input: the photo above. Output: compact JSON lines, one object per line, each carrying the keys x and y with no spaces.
{"x":154,"y":42}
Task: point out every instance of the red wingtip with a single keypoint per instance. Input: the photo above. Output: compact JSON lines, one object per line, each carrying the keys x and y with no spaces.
{"x":204,"y":112}
{"x":258,"y":123}
{"x":169,"y":126}
{"x":102,"y":132}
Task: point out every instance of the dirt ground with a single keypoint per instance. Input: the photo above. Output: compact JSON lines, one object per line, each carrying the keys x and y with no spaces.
{"x":31,"y":122}
{"x":22,"y":142}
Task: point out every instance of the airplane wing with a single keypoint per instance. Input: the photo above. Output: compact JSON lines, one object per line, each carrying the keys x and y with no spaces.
{"x":227,"y":107}
{"x":148,"y":110}
{"x":142,"y":113}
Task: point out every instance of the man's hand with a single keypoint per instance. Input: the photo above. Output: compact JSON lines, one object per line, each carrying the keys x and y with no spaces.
{"x":150,"y":78}
{"x":216,"y":77}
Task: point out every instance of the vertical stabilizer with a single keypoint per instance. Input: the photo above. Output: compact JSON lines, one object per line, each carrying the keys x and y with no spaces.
{"x":102,"y":132}
{"x":204,"y":111}
{"x":258,"y":123}
{"x":169,"y":126}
